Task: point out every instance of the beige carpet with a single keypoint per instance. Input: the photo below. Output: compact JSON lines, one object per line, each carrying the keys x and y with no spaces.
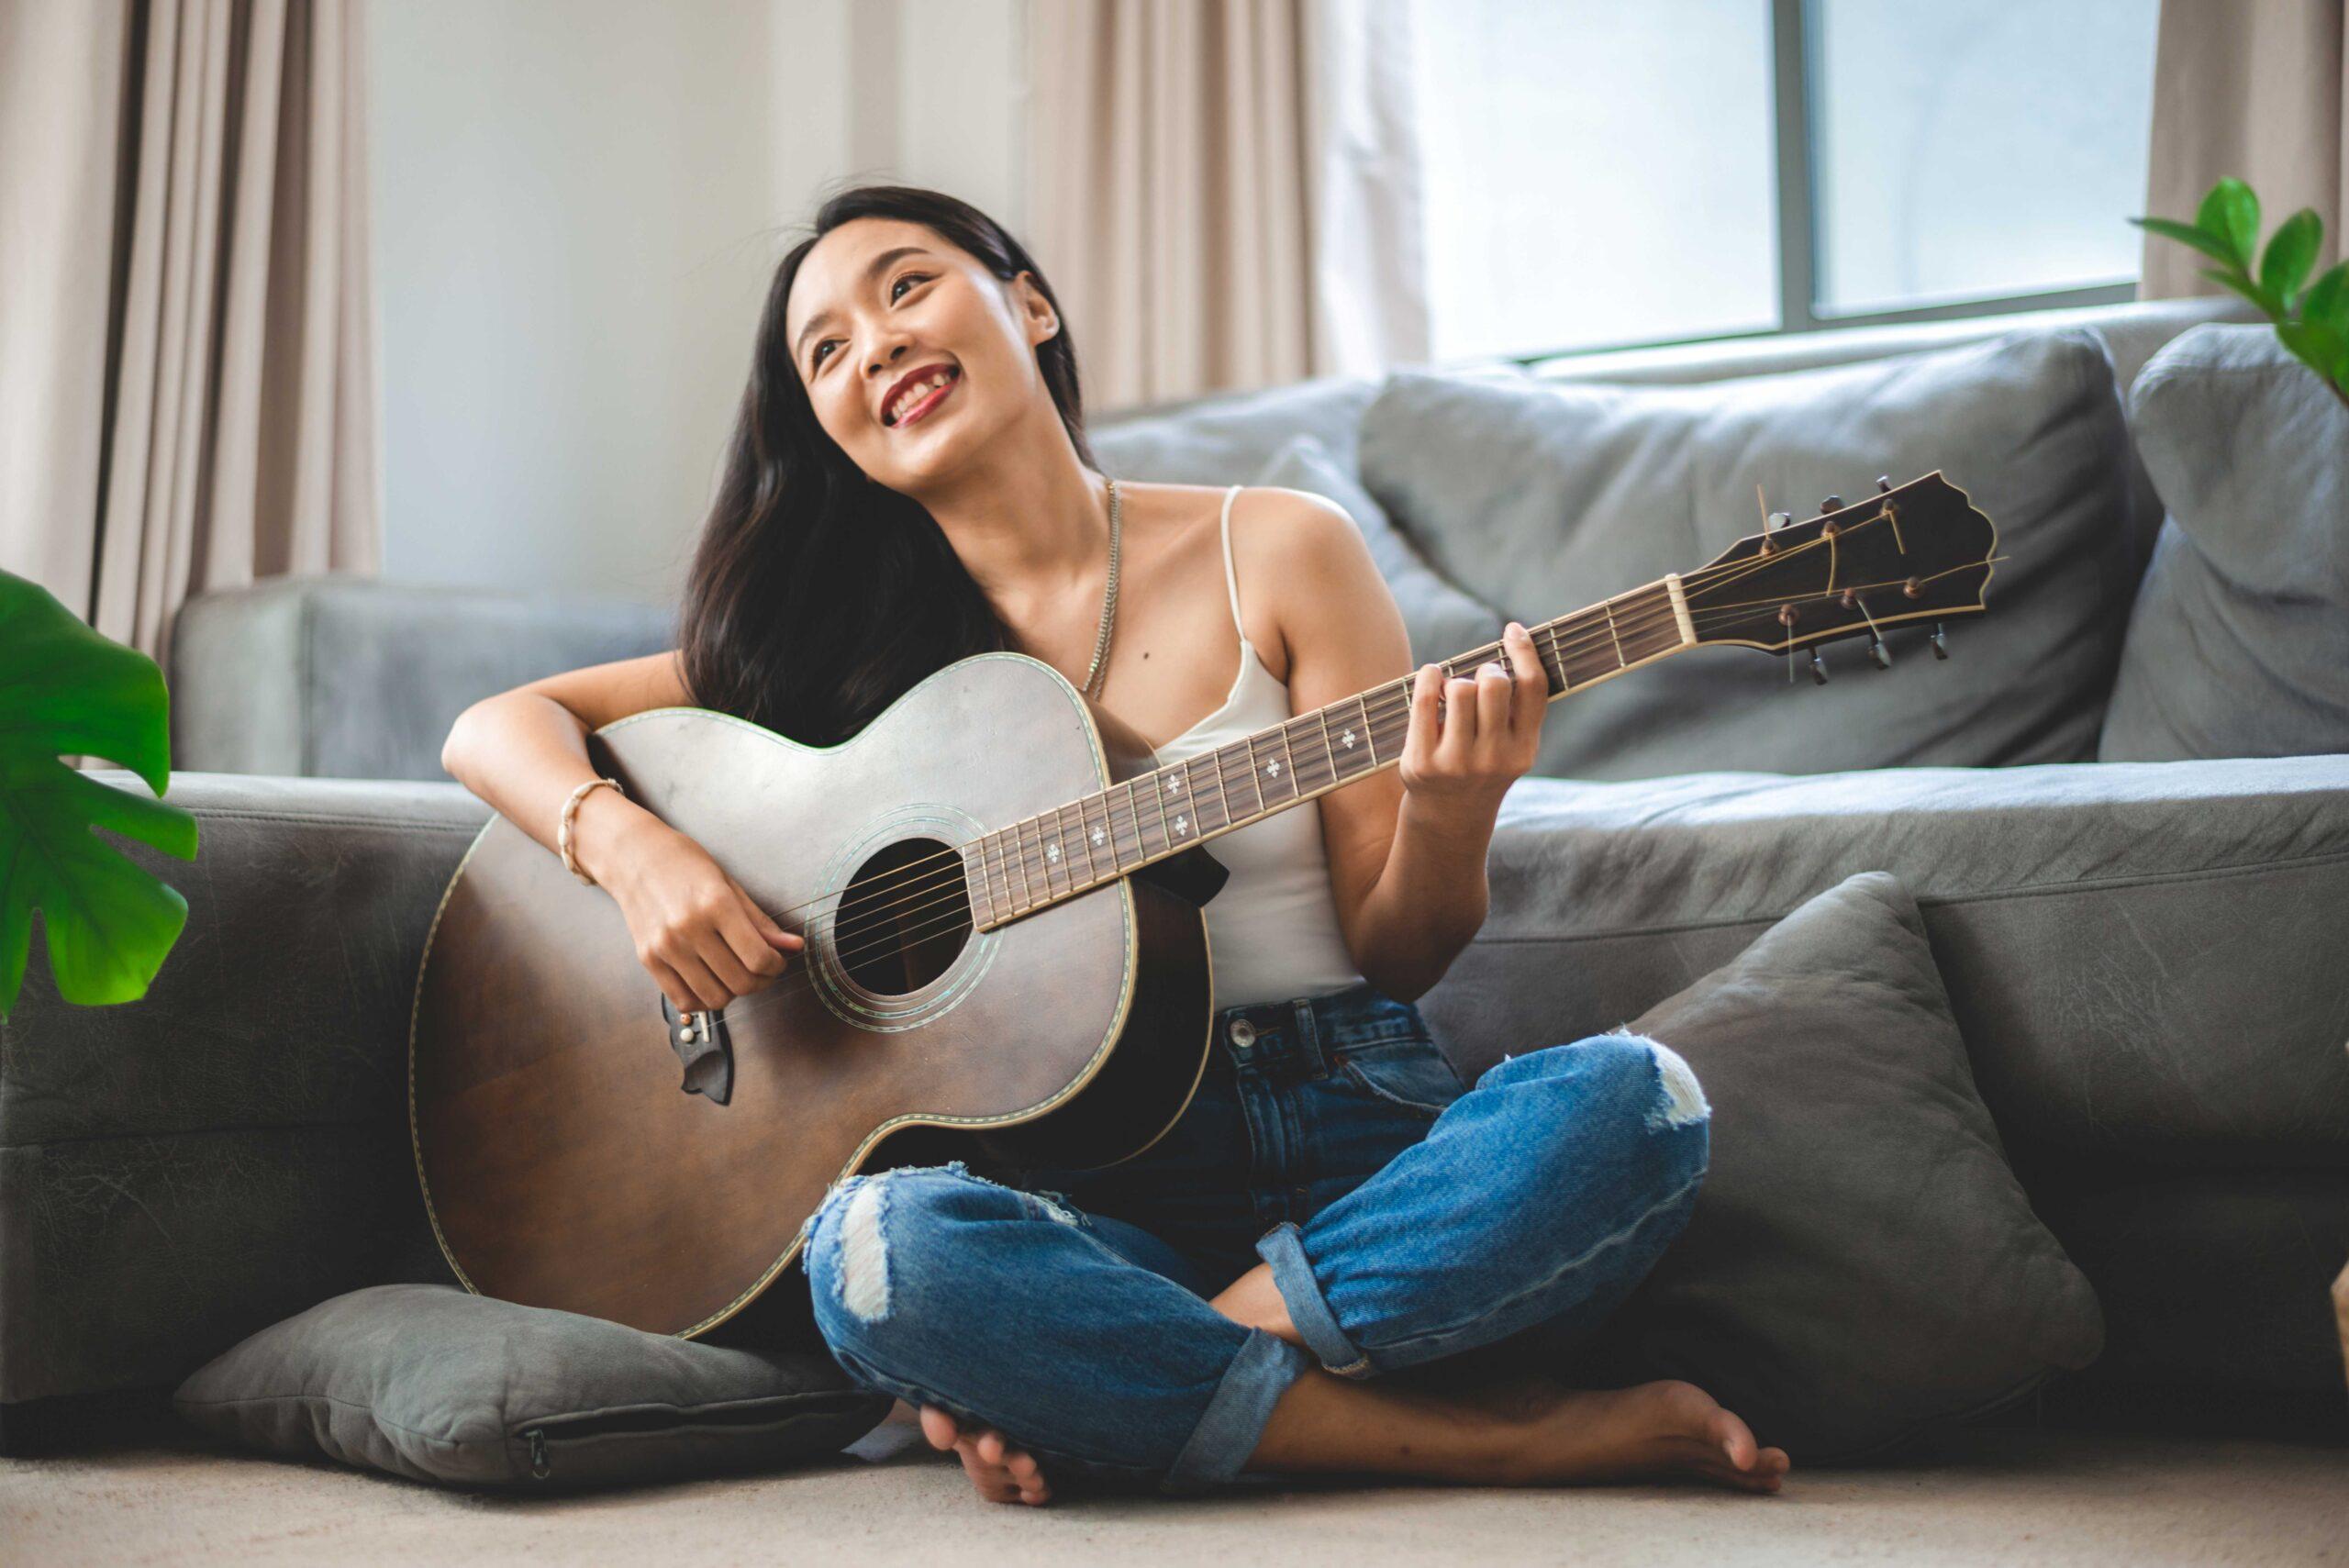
{"x":1983,"y":1497}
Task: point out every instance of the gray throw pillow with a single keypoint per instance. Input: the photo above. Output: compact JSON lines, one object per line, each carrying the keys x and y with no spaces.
{"x":2239,"y":645}
{"x":436,"y":1383}
{"x":1442,"y":620}
{"x":1540,"y":498}
{"x":1862,"y":1263}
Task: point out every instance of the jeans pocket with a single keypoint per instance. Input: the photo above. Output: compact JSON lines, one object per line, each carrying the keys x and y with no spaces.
{"x":1412,"y":1072}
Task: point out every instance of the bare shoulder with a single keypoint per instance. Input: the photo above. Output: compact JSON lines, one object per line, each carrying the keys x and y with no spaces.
{"x":1312,"y":551}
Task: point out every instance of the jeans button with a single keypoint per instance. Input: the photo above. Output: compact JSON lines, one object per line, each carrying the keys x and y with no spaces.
{"x":1244,"y":1033}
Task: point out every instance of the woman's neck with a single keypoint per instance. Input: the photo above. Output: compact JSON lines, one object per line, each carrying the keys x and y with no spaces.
{"x":1029,"y":520}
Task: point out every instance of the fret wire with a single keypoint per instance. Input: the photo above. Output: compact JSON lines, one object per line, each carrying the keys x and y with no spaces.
{"x":1289,"y":759}
{"x":1047,"y":840}
{"x":1133,"y":818}
{"x":1102,"y":800}
{"x":1084,"y":844}
{"x":1222,"y":797}
{"x":1020,"y":854}
{"x":1032,"y":838}
{"x":987,"y":889}
{"x":1369,"y":736}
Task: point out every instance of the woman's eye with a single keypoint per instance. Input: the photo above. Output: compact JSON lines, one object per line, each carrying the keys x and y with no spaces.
{"x":818,"y":358}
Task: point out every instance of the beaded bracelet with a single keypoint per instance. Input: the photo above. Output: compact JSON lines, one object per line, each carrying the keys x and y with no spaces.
{"x":571,"y":810}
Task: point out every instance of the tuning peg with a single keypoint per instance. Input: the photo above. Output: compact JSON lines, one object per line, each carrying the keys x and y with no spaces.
{"x":1833,"y":503}
{"x":1879,"y":652}
{"x":1884,"y":483}
{"x":1818,"y":669}
{"x":1777,"y":520}
{"x":1940,"y":649}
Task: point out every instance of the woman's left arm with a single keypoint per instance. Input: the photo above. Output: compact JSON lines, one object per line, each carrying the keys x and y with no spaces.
{"x":1405,"y":845}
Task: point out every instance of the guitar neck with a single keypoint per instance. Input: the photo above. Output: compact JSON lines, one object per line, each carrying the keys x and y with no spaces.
{"x":1151,"y":816}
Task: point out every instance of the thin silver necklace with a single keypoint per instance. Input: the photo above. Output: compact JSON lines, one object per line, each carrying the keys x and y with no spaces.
{"x":1108,"y":604}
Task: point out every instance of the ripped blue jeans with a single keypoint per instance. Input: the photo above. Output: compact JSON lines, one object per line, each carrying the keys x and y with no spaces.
{"x":1405,"y":1217}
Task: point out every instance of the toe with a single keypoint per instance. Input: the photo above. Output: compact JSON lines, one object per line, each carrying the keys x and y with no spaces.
{"x":1734,"y":1438}
{"x":939,"y":1427}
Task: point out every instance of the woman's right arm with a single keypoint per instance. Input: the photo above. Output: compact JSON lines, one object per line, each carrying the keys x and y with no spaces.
{"x":702,"y":938}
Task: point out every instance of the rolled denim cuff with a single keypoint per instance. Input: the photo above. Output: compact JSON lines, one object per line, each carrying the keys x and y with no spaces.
{"x":1284,"y":1253}
{"x":1228,"y":1433}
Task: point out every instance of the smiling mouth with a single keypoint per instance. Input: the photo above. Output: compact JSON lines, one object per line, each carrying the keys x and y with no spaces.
{"x":922,"y":406}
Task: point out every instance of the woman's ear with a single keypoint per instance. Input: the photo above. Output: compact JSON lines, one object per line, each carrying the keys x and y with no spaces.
{"x":1041,"y":317}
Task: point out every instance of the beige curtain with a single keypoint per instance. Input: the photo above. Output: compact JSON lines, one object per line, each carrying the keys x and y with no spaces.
{"x":187,"y":365}
{"x":2258,"y":89}
{"x":1224,"y":192}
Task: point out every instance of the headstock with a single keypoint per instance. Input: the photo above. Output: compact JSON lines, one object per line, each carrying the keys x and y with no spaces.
{"x":1918,"y":551}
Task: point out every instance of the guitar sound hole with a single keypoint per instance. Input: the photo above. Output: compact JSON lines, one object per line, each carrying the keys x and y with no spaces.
{"x":904,"y":917}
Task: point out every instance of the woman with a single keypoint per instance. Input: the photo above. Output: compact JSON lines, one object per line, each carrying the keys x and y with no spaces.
{"x":908,"y":484}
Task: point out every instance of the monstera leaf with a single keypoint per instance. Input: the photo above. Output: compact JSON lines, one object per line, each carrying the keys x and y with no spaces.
{"x":65,"y":690}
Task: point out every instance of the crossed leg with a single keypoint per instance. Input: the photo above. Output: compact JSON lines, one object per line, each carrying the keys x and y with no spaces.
{"x":1633,"y":1111}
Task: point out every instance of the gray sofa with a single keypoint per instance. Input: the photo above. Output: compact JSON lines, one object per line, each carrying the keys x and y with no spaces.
{"x":2145,"y":956}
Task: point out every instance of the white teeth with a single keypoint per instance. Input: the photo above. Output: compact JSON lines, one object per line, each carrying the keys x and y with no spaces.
{"x":915,"y":393}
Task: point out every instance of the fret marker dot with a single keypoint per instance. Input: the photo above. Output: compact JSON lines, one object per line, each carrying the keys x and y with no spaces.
{"x":1272,"y":768}
{"x":1052,"y":851}
{"x":1174,"y":784}
{"x":1179,"y":824}
{"x":1098,"y":836}
{"x":1347,"y":740}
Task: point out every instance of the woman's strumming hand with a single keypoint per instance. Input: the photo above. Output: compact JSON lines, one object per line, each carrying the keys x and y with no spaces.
{"x":1462,"y":760}
{"x":703,"y":939}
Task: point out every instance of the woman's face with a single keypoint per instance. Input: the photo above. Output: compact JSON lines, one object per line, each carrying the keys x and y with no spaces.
{"x":878,"y":298}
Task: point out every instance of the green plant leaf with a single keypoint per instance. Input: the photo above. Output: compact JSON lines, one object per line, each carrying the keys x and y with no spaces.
{"x":2314,"y":346}
{"x":2326,"y":303}
{"x":2230,"y":215}
{"x":2185,"y":234}
{"x":64,"y":690}
{"x":2245,"y":287}
{"x":2291,"y":252}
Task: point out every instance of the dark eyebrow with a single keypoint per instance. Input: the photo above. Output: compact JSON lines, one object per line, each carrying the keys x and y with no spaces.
{"x":872,"y":270}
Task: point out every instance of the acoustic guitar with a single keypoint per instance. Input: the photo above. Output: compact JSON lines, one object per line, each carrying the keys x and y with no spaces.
{"x":1001,"y":893}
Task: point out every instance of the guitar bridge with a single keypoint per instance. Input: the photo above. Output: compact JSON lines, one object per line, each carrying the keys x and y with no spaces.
{"x":704,"y":1049}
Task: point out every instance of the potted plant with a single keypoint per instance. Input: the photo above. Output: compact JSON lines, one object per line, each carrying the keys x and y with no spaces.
{"x":64,"y":690}
{"x":2313,"y":322}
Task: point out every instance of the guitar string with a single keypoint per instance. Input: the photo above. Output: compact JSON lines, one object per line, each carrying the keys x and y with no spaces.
{"x":1388,"y":713}
{"x":898,"y":881}
{"x":956,"y":906}
{"x":1635,"y":624}
{"x":1563,"y":650}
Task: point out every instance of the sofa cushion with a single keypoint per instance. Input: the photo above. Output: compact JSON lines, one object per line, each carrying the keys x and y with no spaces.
{"x":436,"y":1383}
{"x":2239,"y":644}
{"x":1862,"y":1263}
{"x":343,"y":676}
{"x":1227,"y":438}
{"x":1543,"y":498}
{"x":1441,"y":619}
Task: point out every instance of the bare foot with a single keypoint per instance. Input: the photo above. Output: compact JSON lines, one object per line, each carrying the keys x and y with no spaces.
{"x":1002,"y":1472}
{"x":1548,"y":1433}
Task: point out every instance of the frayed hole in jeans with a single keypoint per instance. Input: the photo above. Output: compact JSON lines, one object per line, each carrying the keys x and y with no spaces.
{"x":865,"y":1253}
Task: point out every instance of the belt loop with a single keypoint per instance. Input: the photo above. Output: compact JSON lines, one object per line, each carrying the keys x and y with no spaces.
{"x":1308,"y":1035}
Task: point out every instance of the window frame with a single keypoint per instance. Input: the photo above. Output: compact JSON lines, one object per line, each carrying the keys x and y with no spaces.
{"x":1794,"y":48}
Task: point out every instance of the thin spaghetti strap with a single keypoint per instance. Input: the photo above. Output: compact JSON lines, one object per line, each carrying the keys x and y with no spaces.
{"x":1230,"y":581}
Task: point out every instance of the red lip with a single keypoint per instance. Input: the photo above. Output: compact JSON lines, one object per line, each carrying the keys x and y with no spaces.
{"x":916,"y":374}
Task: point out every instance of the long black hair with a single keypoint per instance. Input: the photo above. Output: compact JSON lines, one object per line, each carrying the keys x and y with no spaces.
{"x":817,"y":596}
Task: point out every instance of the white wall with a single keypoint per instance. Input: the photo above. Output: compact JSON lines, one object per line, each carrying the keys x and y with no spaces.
{"x":578,"y":206}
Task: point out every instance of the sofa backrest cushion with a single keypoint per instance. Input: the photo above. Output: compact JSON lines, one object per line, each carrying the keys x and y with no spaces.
{"x":2239,"y":644}
{"x":1543,"y":498}
{"x":1228,"y":438}
{"x":1443,"y":619}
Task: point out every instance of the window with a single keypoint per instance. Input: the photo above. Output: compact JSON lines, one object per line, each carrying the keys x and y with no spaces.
{"x":1600,"y":174}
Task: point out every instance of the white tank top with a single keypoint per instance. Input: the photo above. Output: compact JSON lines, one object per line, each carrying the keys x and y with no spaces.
{"x":1272,"y":929}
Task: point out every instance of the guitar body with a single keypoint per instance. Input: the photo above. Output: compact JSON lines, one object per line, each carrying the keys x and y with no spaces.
{"x":563,"y":1163}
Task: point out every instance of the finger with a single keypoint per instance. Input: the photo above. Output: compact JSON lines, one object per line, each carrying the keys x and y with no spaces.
{"x":718,"y":956}
{"x":1532,"y":678}
{"x":672,"y":985}
{"x":1495,"y":699}
{"x":768,"y":929}
{"x":707,"y":994}
{"x":1419,"y":742}
{"x":755,"y":953}
{"x":1459,"y":724}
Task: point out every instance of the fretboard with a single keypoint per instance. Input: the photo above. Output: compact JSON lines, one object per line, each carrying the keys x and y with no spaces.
{"x":1090,"y":841}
